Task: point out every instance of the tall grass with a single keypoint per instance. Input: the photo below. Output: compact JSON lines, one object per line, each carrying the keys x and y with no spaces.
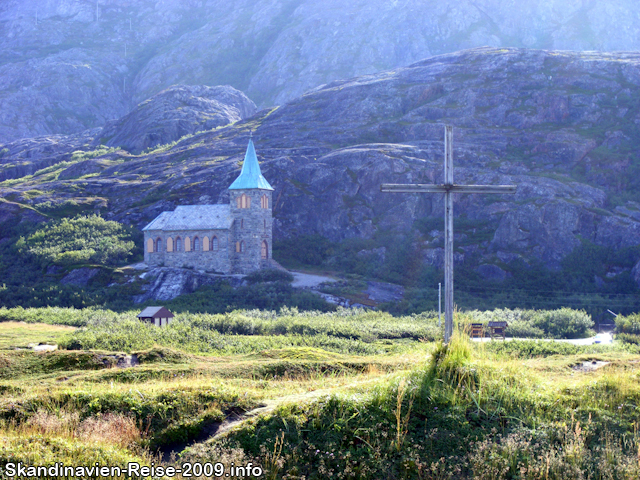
{"x":242,"y":332}
{"x":466,"y":413}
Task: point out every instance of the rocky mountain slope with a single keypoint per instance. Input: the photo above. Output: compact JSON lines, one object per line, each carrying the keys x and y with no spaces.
{"x":175,"y":112}
{"x":562,"y":126}
{"x":70,"y":65}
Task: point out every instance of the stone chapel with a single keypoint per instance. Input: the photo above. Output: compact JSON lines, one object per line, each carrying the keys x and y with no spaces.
{"x":229,"y":239}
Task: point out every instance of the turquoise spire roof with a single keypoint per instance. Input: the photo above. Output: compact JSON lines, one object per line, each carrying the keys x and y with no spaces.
{"x":250,"y":176}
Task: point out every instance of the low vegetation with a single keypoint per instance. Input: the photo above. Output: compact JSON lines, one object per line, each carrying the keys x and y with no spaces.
{"x":83,"y":239}
{"x":560,"y":323}
{"x":350,"y":394}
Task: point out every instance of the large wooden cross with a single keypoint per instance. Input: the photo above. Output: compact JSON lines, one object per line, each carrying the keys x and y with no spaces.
{"x":448,"y":188}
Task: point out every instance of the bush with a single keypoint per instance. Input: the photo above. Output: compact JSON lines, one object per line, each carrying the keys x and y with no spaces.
{"x":79,"y":240}
{"x":269,"y":275}
{"x":567,"y":323}
{"x":561,"y":323}
{"x":628,"y":338}
{"x":55,"y":315}
{"x":628,"y":324}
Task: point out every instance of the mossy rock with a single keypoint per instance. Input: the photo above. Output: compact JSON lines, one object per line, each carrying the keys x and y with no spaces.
{"x":162,"y":355}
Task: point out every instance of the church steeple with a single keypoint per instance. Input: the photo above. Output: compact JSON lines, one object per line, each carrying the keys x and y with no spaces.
{"x":250,"y":176}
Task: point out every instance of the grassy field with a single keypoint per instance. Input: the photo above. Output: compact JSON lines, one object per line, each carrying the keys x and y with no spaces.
{"x":21,"y":334}
{"x":347,"y":394}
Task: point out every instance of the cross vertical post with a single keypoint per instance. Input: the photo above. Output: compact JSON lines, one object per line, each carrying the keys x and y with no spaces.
{"x":448,"y":233}
{"x":448,"y":188}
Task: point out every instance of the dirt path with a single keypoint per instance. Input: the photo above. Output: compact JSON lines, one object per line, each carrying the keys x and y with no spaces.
{"x":306,"y":280}
{"x":270,"y":405}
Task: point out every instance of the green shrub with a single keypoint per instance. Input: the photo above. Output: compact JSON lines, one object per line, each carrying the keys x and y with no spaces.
{"x":523,"y":329}
{"x":566,"y":323}
{"x":560,"y":323}
{"x":630,"y":338}
{"x":628,"y":324}
{"x":306,"y":250}
{"x":269,"y":275}
{"x":55,"y":315}
{"x":79,"y":240}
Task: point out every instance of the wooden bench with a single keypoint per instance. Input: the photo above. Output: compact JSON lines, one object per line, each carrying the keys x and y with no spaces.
{"x":477,"y":330}
{"x":497,"y":329}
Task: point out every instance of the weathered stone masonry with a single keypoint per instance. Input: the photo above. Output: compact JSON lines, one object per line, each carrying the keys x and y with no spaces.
{"x":234,"y":238}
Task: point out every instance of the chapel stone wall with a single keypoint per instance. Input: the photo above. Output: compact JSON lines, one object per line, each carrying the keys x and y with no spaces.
{"x":252,"y":226}
{"x":212,"y":260}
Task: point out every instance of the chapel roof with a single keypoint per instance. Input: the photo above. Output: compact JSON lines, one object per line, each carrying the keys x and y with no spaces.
{"x":193,"y":217}
{"x":250,"y":175}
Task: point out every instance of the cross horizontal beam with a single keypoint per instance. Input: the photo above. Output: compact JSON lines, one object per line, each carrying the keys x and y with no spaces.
{"x":426,"y":188}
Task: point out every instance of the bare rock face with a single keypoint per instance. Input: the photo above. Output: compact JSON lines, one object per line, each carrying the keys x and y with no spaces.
{"x":636,"y":273}
{"x":492,"y":273}
{"x":174,"y":113}
{"x":70,"y":65}
{"x":561,"y":126}
{"x":169,"y":283}
{"x":79,"y":276}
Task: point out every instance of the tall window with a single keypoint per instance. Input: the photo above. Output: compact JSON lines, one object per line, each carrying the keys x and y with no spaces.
{"x":265,"y":250}
{"x":214,"y":243}
{"x":150,"y":245}
{"x":178,"y":244}
{"x":243,"y":201}
{"x":264,"y":201}
{"x":159,"y":245}
{"x":169,"y":244}
{"x":196,"y":244}
{"x":240,"y":247}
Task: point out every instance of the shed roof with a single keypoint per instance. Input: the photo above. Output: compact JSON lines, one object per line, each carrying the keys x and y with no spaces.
{"x":193,"y":217}
{"x":155,"y":312}
{"x":250,"y":175}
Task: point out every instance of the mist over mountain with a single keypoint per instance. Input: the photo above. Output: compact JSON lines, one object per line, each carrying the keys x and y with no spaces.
{"x":70,"y":65}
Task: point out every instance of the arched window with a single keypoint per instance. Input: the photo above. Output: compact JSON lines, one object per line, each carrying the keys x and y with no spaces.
{"x":240,"y":247}
{"x":237,"y":247}
{"x":169,"y":244}
{"x":159,"y":245}
{"x":243,"y":201}
{"x":264,"y":201}
{"x":196,"y":244}
{"x":150,"y":245}
{"x":205,"y":244}
{"x":214,"y":243}
{"x":265,"y":250}
{"x":187,"y":244}
{"x":178,"y":244}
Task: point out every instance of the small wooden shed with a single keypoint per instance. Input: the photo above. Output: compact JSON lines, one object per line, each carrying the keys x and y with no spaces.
{"x":159,"y":316}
